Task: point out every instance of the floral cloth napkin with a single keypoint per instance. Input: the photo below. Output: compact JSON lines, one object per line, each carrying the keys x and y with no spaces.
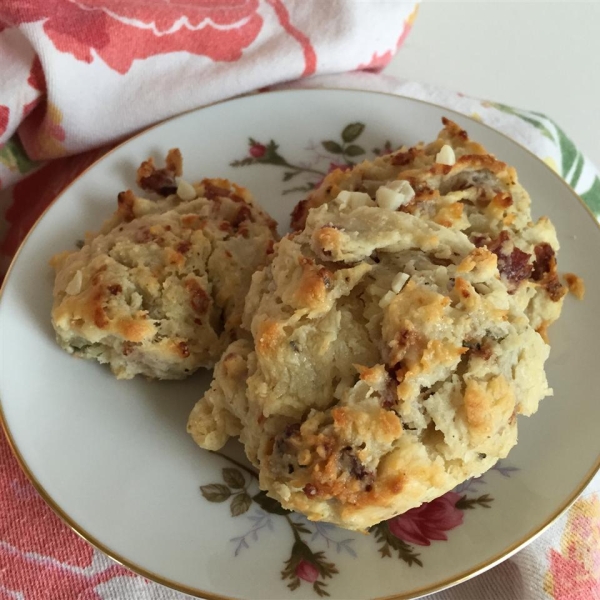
{"x":62,"y":62}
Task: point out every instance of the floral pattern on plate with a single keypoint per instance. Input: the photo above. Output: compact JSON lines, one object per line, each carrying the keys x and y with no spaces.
{"x":419,"y":526}
{"x":326,"y":156}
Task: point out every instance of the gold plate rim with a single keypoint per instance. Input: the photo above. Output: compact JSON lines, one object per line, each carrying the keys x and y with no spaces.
{"x":196,"y":592}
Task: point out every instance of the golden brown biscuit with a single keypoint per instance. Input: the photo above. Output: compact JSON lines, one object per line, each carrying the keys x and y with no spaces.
{"x":456,"y":183}
{"x":387,"y":364}
{"x":160,"y":290}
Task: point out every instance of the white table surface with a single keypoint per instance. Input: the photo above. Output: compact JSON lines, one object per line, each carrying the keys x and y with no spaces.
{"x":535,"y":55}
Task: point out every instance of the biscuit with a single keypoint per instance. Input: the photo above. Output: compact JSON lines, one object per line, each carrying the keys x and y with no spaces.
{"x":388,"y":362}
{"x":160,"y":290}
{"x":456,"y":183}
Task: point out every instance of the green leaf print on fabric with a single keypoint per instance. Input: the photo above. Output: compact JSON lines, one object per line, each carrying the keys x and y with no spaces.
{"x":525,"y":116}
{"x":14,"y":157}
{"x":578,"y":169}
{"x":572,"y":161}
{"x":568,"y":152}
{"x":592,"y":197}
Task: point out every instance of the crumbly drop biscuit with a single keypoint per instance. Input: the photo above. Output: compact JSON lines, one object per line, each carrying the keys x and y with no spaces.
{"x":474,"y":193}
{"x":387,"y":364}
{"x":160,"y":290}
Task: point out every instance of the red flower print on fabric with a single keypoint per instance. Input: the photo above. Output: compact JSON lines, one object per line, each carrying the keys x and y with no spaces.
{"x":379,"y":61}
{"x":37,"y":81}
{"x":122,"y":32}
{"x":574,"y":567}
{"x":310,"y":56}
{"x":36,"y":77}
{"x":4,"y":114}
{"x":26,"y":522}
{"x":41,"y":579}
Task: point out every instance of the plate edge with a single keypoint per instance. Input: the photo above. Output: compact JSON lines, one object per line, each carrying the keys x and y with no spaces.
{"x":411,"y":595}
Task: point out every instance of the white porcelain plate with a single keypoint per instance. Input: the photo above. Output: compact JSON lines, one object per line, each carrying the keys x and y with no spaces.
{"x":114,"y":459}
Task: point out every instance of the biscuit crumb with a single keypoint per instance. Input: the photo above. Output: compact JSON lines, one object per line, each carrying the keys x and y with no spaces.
{"x":575,"y":285}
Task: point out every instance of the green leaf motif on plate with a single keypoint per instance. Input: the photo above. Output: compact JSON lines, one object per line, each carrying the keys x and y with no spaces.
{"x":289,"y":174}
{"x":352,"y":132}
{"x":332,"y":147}
{"x":244,"y":162}
{"x":354,"y":150}
{"x":240,"y":504}
{"x":466,"y":503}
{"x":233,"y":478}
{"x":389,"y":542}
{"x":215,"y":492}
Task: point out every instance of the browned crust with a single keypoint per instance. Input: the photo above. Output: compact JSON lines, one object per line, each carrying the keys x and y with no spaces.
{"x":448,"y":215}
{"x":161,"y":181}
{"x":268,"y":337}
{"x":486,"y":403}
{"x":454,"y":129}
{"x":200,"y":300}
{"x":328,"y":240}
{"x":174,"y":162}
{"x":330,"y":468}
{"x":545,"y":272}
{"x":125,"y":205}
{"x":407,"y":161}
{"x":543,"y":331}
{"x":314,"y":283}
{"x":481,"y":161}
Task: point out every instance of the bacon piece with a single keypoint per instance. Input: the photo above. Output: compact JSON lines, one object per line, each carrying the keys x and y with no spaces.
{"x":514,"y":266}
{"x":545,"y":273}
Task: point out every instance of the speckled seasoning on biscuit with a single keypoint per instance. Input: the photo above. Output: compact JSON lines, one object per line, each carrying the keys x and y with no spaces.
{"x":395,"y":336}
{"x":159,"y":291}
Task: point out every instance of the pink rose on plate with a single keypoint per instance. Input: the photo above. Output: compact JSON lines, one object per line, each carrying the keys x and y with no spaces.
{"x":429,"y":521}
{"x":258,"y":150}
{"x":307,"y":571}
